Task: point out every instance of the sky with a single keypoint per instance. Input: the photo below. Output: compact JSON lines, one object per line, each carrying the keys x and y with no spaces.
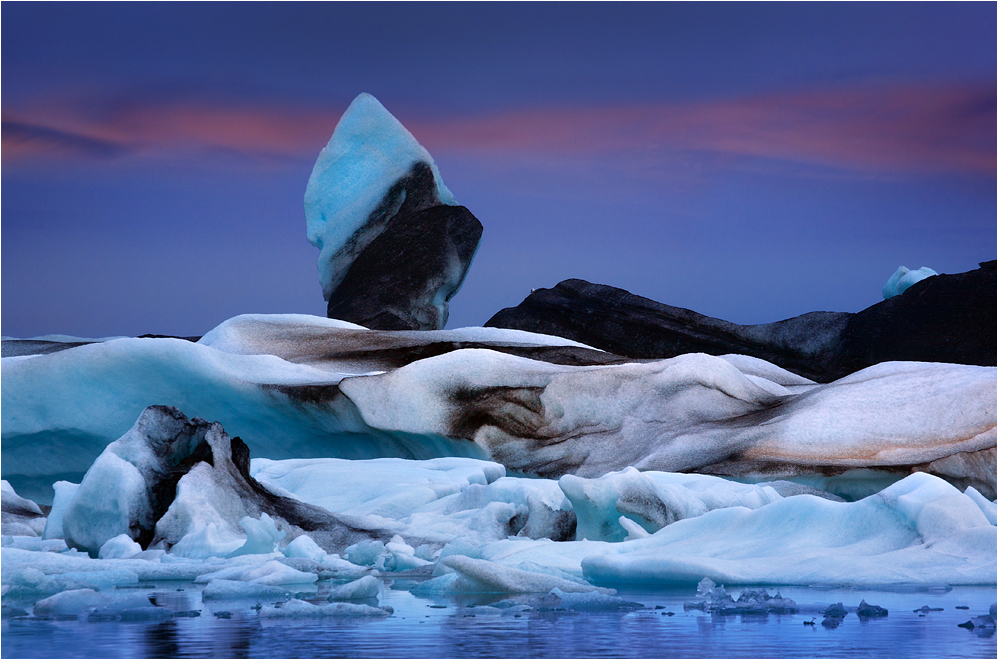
{"x":749,"y":161}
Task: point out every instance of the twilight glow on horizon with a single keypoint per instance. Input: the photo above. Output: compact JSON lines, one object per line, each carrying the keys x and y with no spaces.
{"x":748,"y":161}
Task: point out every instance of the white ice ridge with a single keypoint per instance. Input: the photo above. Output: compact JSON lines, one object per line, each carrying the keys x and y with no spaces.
{"x":368,"y":152}
{"x":335,"y":391}
{"x":315,"y":340}
{"x":903,"y":278}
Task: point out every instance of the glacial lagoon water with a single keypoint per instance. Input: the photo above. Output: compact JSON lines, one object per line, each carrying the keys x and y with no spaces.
{"x":475,"y":626}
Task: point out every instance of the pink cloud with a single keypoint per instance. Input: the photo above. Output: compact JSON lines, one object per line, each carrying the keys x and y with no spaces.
{"x":900,"y":129}
{"x":927,"y":129}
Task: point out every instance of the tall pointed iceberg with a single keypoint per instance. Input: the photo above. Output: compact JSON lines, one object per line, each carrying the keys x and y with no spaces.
{"x":394,"y":245}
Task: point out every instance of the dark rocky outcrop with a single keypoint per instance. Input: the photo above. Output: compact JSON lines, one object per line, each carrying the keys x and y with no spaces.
{"x":405,"y":277}
{"x":946,"y":318}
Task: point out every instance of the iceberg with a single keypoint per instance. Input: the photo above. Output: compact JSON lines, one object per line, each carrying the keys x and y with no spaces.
{"x":903,"y":278}
{"x":368,"y":153}
{"x":394,"y":246}
{"x":366,"y":587}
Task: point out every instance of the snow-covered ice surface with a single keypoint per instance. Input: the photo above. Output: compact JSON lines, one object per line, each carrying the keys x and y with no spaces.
{"x":367,"y":154}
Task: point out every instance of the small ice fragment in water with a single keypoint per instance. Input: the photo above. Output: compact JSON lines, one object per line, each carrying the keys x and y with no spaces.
{"x":750,"y":601}
{"x":867,"y":611}
{"x":836,"y":610}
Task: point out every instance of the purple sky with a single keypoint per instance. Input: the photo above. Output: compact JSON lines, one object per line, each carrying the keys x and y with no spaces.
{"x":748,"y":161}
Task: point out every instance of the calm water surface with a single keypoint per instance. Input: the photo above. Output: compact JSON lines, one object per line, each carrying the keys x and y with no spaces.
{"x":471,"y":628}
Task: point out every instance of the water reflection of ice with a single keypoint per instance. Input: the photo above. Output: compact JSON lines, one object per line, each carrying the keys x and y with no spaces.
{"x":516,"y":627}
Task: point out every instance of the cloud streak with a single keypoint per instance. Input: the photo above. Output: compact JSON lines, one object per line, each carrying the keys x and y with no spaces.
{"x":908,"y":129}
{"x":924,"y":129}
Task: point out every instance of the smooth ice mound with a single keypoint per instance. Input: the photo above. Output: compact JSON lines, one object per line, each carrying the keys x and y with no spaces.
{"x":903,"y":278}
{"x":368,"y":152}
{"x":920,"y":530}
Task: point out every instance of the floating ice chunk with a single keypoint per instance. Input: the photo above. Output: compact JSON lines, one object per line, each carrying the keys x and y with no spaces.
{"x":651,"y":500}
{"x":867,"y":611}
{"x":270,"y":572}
{"x":105,"y":573}
{"x":708,"y":589}
{"x":64,"y":494}
{"x":403,"y":555}
{"x":113,"y":495}
{"x":120,"y":547}
{"x":116,"y":612}
{"x":365,"y":587}
{"x":220,"y":589}
{"x":268,"y":334}
{"x":300,"y":609}
{"x":22,"y":583}
{"x":532,"y":508}
{"x":341,"y":567}
{"x":105,"y":605}
{"x":480,"y":576}
{"x":304,"y":547}
{"x":836,"y":611}
{"x":212,"y":539}
{"x":365,"y":553}
{"x":317,"y":339}
{"x":982,"y":623}
{"x":903,"y":278}
{"x":583,"y":602}
{"x":262,"y":536}
{"x":920,"y":530}
{"x":70,"y":603}
{"x":367,"y":154}
{"x":386,"y":487}
{"x":752,"y":601}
